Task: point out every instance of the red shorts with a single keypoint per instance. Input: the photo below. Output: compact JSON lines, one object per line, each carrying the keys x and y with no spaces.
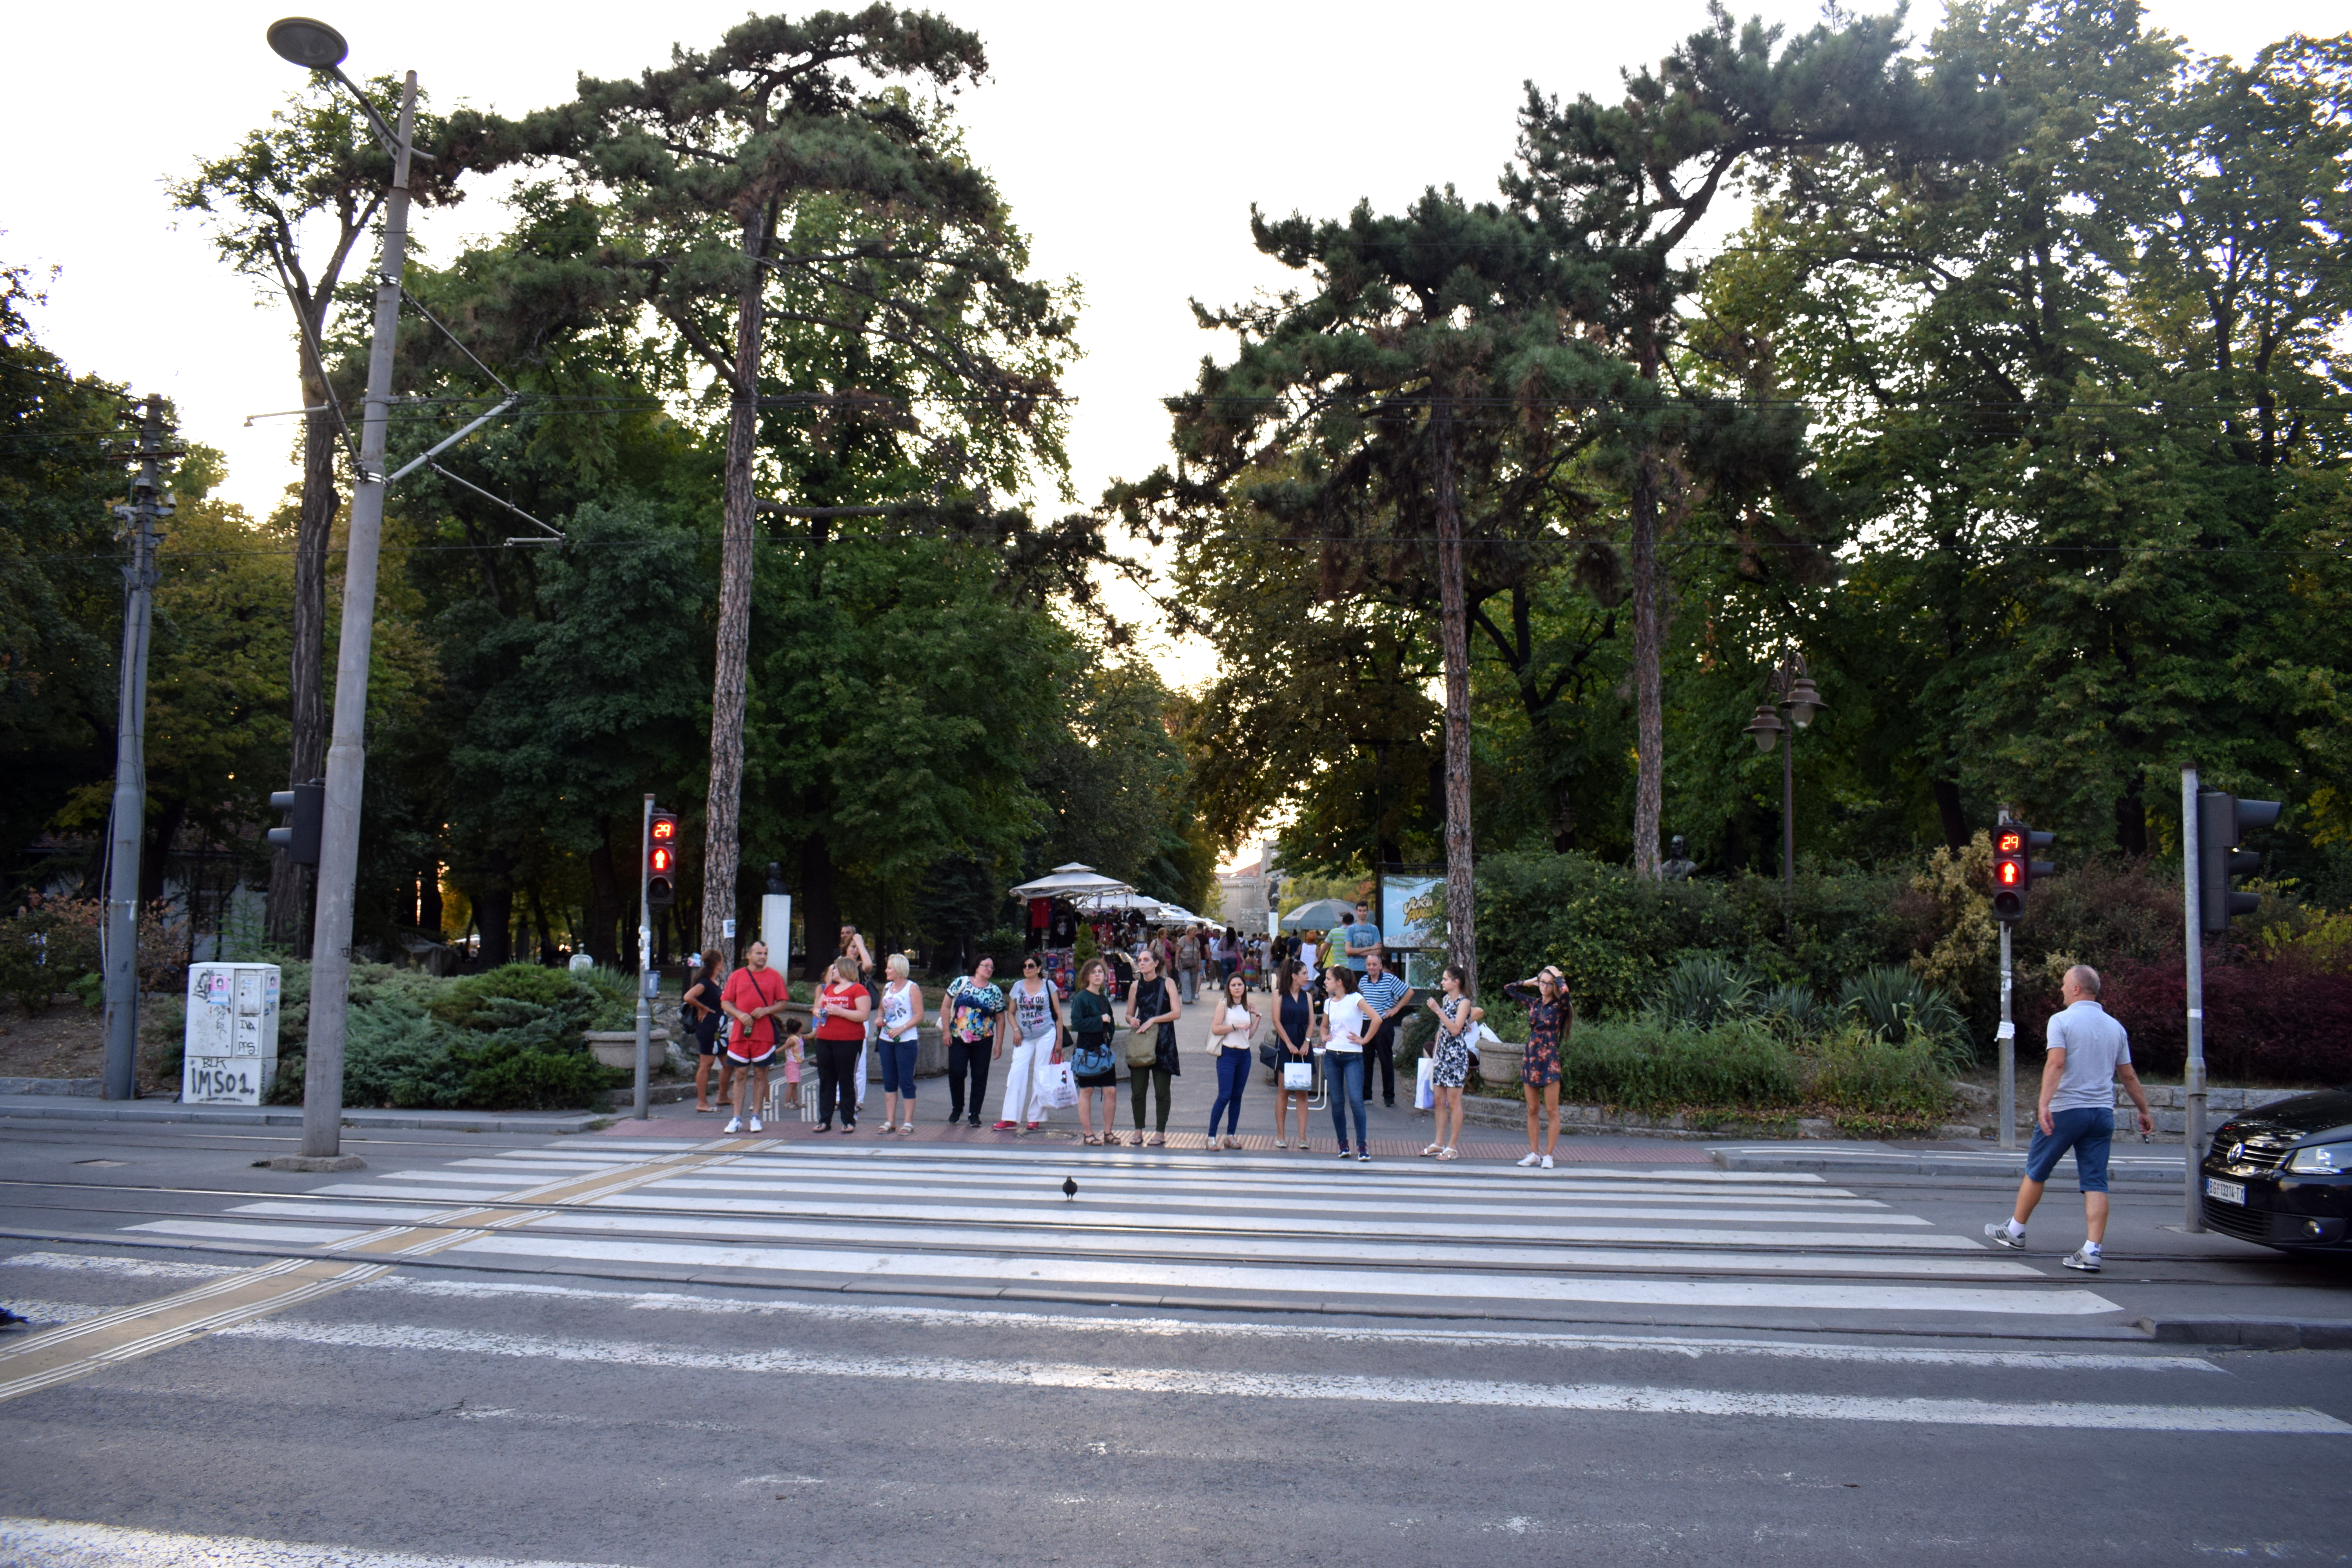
{"x":762,"y":1059}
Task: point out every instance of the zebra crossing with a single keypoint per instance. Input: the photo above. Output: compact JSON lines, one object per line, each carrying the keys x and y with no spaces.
{"x":1167,"y":1228}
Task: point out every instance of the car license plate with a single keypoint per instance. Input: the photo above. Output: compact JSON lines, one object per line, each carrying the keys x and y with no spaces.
{"x":2228,"y":1192}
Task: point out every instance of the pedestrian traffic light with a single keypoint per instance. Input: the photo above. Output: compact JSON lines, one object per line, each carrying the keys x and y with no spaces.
{"x":307,"y":807}
{"x":2222,"y":820}
{"x":661,"y":859}
{"x":2014,"y":867}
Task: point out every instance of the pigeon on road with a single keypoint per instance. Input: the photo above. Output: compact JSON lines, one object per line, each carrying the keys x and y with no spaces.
{"x":1069,"y":1188}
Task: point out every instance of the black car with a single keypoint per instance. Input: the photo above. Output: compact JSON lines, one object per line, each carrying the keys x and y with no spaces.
{"x":2283,"y":1176}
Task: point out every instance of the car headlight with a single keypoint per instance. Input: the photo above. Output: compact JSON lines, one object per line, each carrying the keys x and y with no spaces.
{"x":2321,"y":1160}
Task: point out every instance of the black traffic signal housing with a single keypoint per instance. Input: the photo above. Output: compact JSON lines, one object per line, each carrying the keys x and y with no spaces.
{"x":2222,"y":820}
{"x":661,"y":859}
{"x":306,"y":804}
{"x":2014,"y":867}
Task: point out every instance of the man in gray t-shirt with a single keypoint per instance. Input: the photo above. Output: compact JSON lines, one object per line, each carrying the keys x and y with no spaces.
{"x":2089,"y":1051}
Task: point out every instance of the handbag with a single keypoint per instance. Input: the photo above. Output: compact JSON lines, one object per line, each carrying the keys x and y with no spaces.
{"x":1424,"y":1085}
{"x":1268,"y":1057}
{"x":1298,"y":1077}
{"x":1143,"y":1040}
{"x":1094,"y":1060}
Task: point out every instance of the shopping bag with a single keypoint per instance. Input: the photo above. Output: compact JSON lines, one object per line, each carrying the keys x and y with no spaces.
{"x":1298,"y":1078}
{"x":1061,"y":1087}
{"x":1424,"y":1085}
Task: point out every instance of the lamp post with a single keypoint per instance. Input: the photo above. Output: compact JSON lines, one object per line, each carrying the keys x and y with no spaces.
{"x":1798,"y":698}
{"x":314,"y":45}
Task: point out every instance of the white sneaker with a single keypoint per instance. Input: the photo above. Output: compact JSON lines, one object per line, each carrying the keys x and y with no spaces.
{"x":1547,"y":1162}
{"x":1529,"y":1158}
{"x":755,"y":1125}
{"x":734,"y":1124}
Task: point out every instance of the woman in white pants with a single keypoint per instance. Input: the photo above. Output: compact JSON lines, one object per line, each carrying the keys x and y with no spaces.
{"x":1035,"y":1017}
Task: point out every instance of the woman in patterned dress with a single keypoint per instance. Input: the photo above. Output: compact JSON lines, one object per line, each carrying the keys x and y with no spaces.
{"x":1552,"y":1014}
{"x":1450,"y":1054}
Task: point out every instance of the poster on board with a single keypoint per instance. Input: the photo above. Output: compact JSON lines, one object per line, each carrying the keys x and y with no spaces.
{"x":1409,"y":901}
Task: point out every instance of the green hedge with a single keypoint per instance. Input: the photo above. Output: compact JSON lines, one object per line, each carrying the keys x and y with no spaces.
{"x":509,"y":1039}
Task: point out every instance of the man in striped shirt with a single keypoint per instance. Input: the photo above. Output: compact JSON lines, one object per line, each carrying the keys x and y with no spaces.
{"x":1386,"y":995}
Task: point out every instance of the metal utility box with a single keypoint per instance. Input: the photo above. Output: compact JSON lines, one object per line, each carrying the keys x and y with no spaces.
{"x":232,"y":1040}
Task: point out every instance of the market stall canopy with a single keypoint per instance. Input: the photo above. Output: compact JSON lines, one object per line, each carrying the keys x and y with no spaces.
{"x":1178,"y":915}
{"x":1117,"y":902}
{"x":1070,"y":881}
{"x":1323,"y":914}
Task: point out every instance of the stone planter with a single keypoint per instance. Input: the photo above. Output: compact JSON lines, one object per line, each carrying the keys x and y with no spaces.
{"x":618,"y":1048}
{"x":1499,"y":1064}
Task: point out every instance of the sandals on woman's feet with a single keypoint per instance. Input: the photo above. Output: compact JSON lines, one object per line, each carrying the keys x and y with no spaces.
{"x":1156,"y":1140}
{"x":1431,"y":1151}
{"x":1447,"y":1153}
{"x":1091,"y":1142}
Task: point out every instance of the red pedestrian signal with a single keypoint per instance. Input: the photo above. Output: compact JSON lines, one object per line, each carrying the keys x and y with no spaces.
{"x":661,"y":859}
{"x":2014,"y":867}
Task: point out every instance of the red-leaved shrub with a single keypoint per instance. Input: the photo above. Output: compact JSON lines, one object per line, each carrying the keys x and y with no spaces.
{"x":2284,"y":1023}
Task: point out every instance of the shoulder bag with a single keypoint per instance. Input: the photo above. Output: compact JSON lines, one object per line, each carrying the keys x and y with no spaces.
{"x":1143,"y":1040}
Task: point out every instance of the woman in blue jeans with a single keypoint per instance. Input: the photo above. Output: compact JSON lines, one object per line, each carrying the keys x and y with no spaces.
{"x":1230,"y":1028}
{"x":1346,"y":1024}
{"x":899,"y":1043}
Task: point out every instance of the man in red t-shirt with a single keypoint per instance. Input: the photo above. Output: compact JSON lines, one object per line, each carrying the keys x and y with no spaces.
{"x":754,"y":995}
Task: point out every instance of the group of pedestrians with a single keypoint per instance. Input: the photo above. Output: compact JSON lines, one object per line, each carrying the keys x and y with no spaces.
{"x":734,"y":1019}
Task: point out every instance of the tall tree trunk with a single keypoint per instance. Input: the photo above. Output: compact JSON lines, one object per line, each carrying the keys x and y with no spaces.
{"x":1947,"y":811}
{"x":604,"y":902}
{"x":494,"y":912}
{"x":723,"y":840}
{"x":1461,"y":906}
{"x":1649,"y":704}
{"x":287,"y":913}
{"x":428,"y":901}
{"x":2131,"y":820}
{"x":820,"y":905}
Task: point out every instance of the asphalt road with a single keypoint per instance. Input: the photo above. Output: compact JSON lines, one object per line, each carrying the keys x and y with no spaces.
{"x":685,"y":1351}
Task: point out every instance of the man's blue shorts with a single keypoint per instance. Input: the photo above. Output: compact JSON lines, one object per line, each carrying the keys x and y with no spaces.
{"x":2088,"y":1131}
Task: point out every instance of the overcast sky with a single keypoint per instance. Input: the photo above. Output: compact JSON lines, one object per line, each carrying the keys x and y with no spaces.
{"x":1130,"y":144}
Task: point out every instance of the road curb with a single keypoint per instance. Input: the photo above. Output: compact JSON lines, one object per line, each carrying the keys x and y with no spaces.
{"x":2252,"y":1333}
{"x":2006,"y":1167}
{"x":59,"y":1108}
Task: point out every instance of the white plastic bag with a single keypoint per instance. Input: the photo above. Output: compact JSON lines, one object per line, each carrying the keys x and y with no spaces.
{"x":1424,"y":1085}
{"x":1297,"y":1077}
{"x":1061,"y":1085}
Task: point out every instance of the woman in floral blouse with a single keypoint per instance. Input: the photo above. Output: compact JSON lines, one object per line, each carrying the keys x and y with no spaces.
{"x":1552,"y":1014}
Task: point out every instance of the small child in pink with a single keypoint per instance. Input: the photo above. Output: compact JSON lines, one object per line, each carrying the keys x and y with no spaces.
{"x":794,"y":1053}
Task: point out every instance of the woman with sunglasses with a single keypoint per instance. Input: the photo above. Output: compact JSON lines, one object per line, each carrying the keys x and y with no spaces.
{"x":1035,"y":1015}
{"x":1552,"y":1015}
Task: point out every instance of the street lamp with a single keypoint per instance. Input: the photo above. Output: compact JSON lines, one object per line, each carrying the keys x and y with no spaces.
{"x":1797,"y":698}
{"x":314,"y":45}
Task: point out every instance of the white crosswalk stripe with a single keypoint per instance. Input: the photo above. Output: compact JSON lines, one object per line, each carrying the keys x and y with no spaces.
{"x":1178,"y":1226}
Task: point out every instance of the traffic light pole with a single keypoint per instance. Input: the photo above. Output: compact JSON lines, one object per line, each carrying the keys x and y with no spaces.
{"x":128,"y":826}
{"x":2007,"y":1050}
{"x":2193,"y":1072}
{"x":645,"y":961}
{"x":338,"y":838}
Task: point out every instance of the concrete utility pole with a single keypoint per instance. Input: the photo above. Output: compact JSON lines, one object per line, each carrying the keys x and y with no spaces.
{"x":339,"y":842}
{"x":2193,"y":1072}
{"x":129,"y":819}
